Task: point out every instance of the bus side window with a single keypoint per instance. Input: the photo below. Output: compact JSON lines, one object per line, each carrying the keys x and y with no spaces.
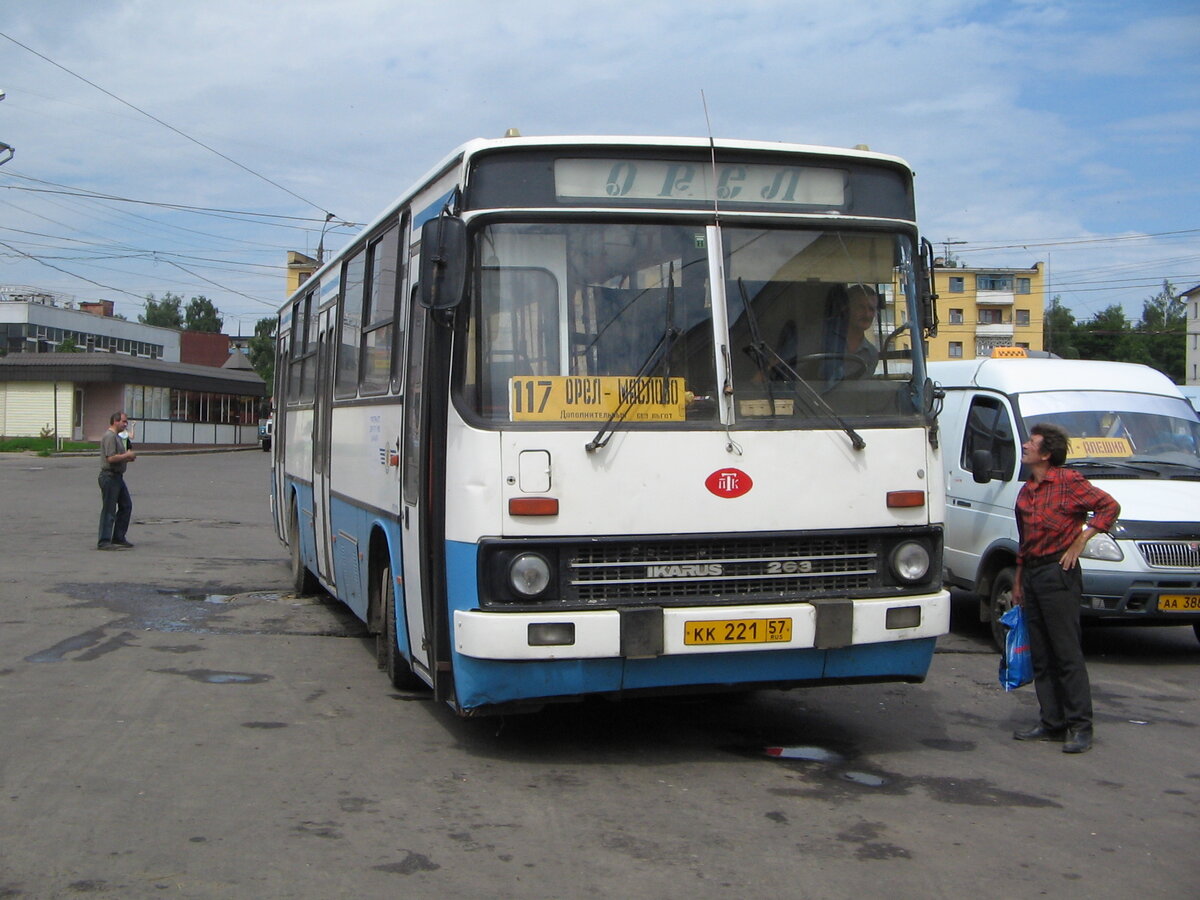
{"x":379,"y":316}
{"x":989,"y":429}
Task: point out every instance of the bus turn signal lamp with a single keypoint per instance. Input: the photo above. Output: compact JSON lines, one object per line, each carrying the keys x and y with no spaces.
{"x":533,"y":506}
{"x":905,"y":499}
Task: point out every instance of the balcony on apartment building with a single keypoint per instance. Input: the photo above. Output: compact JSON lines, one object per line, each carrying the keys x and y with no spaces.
{"x":995,"y":298}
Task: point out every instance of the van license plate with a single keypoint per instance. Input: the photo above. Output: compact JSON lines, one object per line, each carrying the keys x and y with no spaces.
{"x":1180,"y":603}
{"x":737,"y":631}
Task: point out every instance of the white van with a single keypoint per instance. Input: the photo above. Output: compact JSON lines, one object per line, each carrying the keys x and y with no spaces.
{"x":1132,"y":433}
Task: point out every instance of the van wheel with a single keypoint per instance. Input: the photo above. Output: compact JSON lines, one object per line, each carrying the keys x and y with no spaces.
{"x":303,"y":581}
{"x":1000,"y":603}
{"x":387,"y":653}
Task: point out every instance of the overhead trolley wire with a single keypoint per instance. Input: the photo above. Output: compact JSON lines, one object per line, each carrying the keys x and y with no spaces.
{"x":169,"y":126}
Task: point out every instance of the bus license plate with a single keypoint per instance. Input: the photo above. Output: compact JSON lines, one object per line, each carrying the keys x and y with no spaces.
{"x":737,"y":631}
{"x":1180,"y":603}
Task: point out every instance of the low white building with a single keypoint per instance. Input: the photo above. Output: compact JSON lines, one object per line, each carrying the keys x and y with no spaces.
{"x":37,"y":322}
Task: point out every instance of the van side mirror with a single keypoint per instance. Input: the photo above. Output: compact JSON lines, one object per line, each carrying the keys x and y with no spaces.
{"x":443,"y":269}
{"x":981,"y":466}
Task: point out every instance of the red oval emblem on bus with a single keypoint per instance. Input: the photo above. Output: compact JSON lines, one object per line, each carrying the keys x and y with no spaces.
{"x":729,"y":483}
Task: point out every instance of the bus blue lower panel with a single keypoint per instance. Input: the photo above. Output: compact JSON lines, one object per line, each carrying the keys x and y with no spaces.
{"x":483,"y":682}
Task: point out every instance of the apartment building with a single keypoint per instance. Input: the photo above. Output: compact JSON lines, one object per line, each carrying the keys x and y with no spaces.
{"x":983,"y":308}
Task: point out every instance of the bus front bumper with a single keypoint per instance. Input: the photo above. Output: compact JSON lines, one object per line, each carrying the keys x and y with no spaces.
{"x":654,"y":631}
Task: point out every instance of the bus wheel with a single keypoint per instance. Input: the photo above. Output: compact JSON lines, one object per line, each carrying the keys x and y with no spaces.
{"x":387,"y":652}
{"x":303,"y":581}
{"x":1196,"y":629}
{"x":1001,"y":602}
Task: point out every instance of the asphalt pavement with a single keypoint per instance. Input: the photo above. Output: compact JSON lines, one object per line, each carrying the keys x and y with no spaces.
{"x":175,"y":722}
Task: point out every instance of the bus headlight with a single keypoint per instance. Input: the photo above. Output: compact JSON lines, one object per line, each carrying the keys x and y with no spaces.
{"x":1102,"y":546}
{"x":910,"y":562}
{"x":529,"y":575}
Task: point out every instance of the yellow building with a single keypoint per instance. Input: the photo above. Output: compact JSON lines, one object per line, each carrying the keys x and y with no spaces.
{"x":979,"y":309}
{"x":299,"y":268}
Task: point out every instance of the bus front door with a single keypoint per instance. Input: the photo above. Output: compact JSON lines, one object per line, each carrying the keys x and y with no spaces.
{"x":414,"y":509}
{"x":322,"y":419}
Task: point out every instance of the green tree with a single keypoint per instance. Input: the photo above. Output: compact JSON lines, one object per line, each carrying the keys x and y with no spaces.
{"x":262,"y":351}
{"x":1163,"y":333}
{"x":68,"y":345}
{"x":1108,"y":336}
{"x":165,"y":312}
{"x":1058,"y":330}
{"x":201,"y":315}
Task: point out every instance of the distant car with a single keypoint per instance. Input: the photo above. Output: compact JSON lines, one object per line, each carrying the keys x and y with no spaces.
{"x":265,"y":429}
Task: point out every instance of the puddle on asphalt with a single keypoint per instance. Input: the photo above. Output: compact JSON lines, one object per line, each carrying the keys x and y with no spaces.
{"x":866,"y":779}
{"x":815,"y":754}
{"x":208,"y":676}
{"x":812,"y":754}
{"x":202,"y":597}
{"x":212,"y":610}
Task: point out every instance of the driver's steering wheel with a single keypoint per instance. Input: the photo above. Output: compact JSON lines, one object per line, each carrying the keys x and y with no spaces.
{"x":810,"y":365}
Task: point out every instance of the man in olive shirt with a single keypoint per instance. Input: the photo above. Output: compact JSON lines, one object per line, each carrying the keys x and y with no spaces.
{"x":117,"y":506}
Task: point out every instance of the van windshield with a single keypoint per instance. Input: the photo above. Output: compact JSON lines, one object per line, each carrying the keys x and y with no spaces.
{"x":1119,"y":429}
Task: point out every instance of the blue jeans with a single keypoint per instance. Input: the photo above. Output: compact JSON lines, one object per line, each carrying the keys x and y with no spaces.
{"x":116,"y":508}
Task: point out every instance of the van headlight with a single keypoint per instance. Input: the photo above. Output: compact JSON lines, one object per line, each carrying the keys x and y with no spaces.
{"x":910,"y":562}
{"x":1102,"y":546}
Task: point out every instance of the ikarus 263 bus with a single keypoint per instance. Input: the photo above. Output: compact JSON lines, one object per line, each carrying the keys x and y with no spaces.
{"x":617,"y":416}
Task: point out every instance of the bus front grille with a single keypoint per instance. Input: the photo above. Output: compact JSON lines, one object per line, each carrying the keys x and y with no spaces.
{"x":720,"y":570}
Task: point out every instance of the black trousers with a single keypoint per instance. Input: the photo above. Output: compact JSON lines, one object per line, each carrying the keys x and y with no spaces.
{"x":116,"y":506}
{"x":1052,"y":599}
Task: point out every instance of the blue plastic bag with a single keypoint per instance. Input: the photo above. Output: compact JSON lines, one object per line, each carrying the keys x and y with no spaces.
{"x":1016,"y":666}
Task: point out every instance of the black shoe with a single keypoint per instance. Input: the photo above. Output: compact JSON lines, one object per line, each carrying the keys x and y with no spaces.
{"x":123,"y":545}
{"x":1078,"y":741}
{"x":1041,"y":733}
{"x":104,"y":545}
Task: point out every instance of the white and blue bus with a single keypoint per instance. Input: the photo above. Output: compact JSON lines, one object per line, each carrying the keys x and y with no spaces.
{"x":607,"y":416}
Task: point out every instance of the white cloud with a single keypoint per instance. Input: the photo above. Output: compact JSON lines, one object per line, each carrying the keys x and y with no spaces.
{"x":345,"y":104}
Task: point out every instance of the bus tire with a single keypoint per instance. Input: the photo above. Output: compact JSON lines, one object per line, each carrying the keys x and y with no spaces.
{"x":303,"y":582}
{"x":387,"y":650}
{"x":1000,"y":602}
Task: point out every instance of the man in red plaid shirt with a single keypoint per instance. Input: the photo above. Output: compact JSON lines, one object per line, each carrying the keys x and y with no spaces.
{"x":1052,"y":510}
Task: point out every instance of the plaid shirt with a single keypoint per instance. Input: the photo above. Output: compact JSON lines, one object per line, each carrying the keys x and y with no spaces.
{"x":1051,"y":513}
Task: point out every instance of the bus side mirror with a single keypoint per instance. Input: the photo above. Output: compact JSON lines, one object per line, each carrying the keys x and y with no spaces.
{"x":981,"y":466}
{"x":929,"y":314}
{"x":443,"y":269}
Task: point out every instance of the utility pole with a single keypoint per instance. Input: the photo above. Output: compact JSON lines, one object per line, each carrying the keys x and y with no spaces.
{"x":6,"y":150}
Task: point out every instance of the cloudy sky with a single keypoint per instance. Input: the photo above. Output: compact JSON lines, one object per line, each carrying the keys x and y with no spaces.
{"x":1061,"y":131}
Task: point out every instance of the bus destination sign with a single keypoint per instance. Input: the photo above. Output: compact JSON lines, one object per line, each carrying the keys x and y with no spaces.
{"x":658,"y":180}
{"x":593,"y":398}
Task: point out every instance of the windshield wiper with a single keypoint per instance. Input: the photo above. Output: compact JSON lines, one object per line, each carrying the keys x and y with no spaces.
{"x":769,"y":362}
{"x":661,"y":350}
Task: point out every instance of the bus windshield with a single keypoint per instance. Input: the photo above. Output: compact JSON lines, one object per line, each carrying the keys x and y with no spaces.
{"x":1120,"y":430}
{"x":568,"y":320}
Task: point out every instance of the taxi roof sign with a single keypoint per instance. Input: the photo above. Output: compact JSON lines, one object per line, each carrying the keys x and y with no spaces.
{"x":1009,"y":353}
